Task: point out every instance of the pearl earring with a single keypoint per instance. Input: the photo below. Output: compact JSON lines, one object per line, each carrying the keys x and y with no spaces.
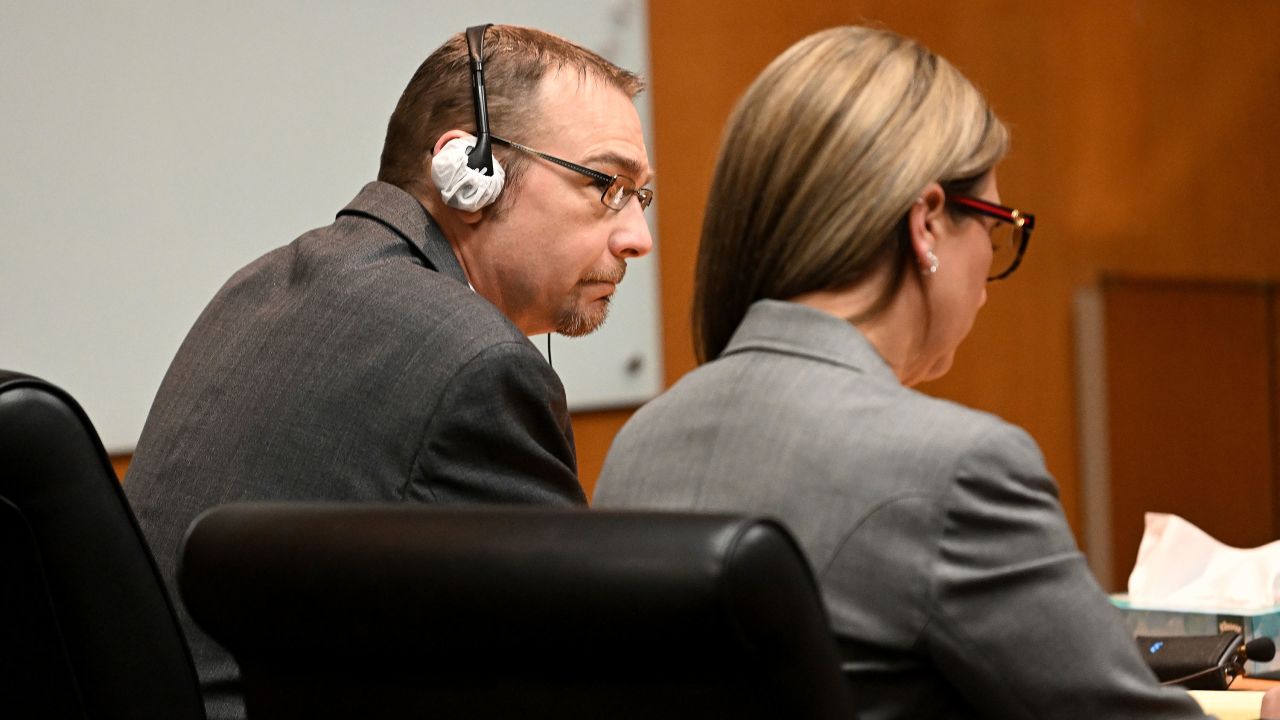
{"x":933,"y":261}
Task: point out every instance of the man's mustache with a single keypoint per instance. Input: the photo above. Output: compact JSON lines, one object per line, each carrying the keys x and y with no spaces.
{"x":612,"y":275}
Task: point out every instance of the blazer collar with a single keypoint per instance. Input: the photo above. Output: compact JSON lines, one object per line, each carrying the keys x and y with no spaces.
{"x":794,"y":329}
{"x":403,"y":214}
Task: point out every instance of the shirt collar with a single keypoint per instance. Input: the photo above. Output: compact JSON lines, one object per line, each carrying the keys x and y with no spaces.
{"x":402,"y":213}
{"x":795,"y":329}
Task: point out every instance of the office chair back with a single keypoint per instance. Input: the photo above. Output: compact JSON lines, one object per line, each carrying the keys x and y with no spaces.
{"x":86,"y":627}
{"x":415,"y":611}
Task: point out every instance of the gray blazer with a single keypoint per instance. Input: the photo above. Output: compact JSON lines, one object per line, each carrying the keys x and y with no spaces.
{"x":951,"y":578}
{"x":354,"y":364}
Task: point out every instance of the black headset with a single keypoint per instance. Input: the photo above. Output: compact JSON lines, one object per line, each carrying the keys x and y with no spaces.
{"x":481,"y":157}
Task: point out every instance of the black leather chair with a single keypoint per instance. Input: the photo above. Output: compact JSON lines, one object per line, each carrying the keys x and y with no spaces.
{"x":339,"y":611}
{"x":86,"y":627}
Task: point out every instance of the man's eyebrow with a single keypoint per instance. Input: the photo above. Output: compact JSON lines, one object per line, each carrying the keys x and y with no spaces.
{"x":627,"y":165}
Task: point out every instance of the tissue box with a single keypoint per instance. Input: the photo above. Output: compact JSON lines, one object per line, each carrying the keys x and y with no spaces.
{"x":1264,"y":622}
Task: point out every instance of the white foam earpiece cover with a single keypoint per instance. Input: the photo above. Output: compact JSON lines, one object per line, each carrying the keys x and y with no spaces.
{"x":462,"y":187}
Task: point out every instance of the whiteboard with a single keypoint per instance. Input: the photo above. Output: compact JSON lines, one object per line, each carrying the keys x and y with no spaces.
{"x":150,"y":149}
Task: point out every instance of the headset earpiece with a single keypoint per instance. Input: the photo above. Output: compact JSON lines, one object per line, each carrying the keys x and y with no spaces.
{"x":461,"y":186}
{"x":482,"y":157}
{"x":464,"y":170}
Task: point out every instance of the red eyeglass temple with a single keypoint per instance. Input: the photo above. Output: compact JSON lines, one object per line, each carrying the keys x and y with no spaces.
{"x":1023,"y":220}
{"x":1008,"y":213}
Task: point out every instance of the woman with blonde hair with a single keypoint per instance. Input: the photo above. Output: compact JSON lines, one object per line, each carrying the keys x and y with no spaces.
{"x":853,"y":225}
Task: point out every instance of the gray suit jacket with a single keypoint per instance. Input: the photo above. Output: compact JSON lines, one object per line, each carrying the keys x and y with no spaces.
{"x":951,"y":578}
{"x":354,"y":364}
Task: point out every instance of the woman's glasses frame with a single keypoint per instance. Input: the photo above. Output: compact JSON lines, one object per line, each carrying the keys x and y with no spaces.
{"x":1023,"y":223}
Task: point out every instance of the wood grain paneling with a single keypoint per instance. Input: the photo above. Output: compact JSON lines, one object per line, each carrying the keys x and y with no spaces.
{"x":592,"y":433}
{"x":120,"y":463}
{"x":1191,"y":410}
{"x":1143,"y":137}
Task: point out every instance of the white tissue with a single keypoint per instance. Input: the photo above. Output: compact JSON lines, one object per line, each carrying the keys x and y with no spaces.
{"x":1180,"y":565}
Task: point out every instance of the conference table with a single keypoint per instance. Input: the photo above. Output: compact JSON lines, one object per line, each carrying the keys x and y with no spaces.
{"x":1242,"y":702}
{"x":1251,"y":683}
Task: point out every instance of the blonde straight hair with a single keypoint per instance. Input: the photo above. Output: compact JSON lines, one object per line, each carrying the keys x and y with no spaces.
{"x":822,"y":158}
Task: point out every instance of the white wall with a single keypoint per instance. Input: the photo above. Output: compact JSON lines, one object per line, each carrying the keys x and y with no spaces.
{"x":150,"y":149}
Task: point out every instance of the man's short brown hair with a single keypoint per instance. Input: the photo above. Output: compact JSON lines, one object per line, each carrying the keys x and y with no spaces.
{"x":438,"y":98}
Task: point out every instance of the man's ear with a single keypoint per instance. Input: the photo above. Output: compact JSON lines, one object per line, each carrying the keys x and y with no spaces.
{"x":470,"y":217}
{"x":450,"y":135}
{"x":923,"y":220}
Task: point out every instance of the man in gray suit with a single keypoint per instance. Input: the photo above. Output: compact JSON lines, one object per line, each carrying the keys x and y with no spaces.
{"x":385,"y":357}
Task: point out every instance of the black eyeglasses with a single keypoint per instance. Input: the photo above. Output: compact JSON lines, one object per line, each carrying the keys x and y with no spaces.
{"x":618,"y":189}
{"x":1008,"y":237}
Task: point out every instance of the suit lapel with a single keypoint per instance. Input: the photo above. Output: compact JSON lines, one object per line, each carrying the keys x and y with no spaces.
{"x":403,"y":214}
{"x":794,"y":329}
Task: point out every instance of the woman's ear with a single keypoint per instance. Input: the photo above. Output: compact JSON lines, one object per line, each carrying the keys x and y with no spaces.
{"x":923,"y":222}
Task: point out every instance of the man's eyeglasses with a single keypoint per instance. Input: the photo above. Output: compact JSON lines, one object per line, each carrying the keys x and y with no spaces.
{"x":1008,"y":237}
{"x":618,"y":189}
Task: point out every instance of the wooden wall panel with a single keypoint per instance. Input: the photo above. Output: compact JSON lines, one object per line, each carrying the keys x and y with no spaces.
{"x":1191,"y":410}
{"x":593,"y":432}
{"x":1143,"y":137}
{"x":120,"y":463}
